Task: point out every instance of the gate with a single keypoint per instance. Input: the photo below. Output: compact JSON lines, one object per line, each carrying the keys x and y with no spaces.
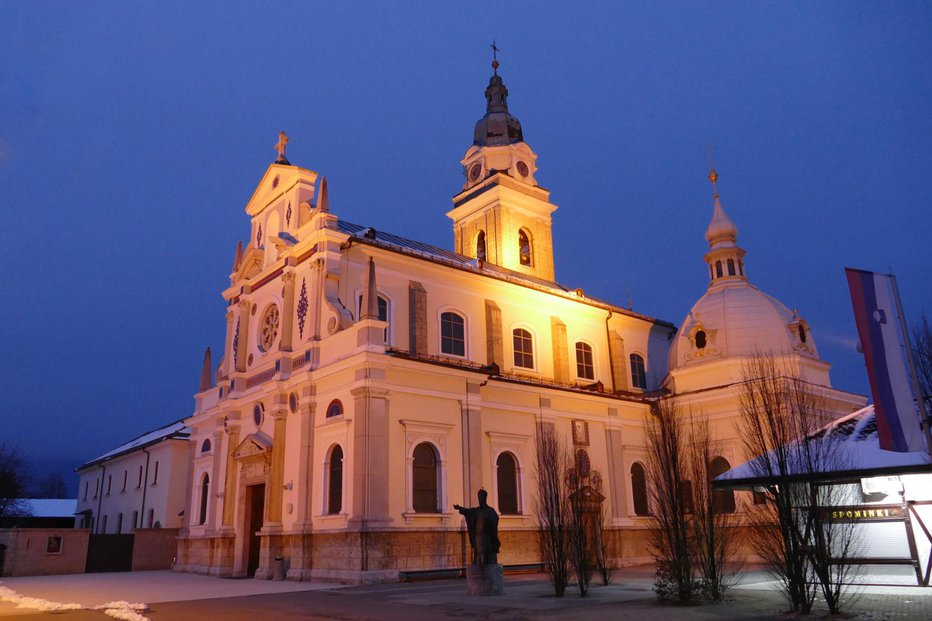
{"x":109,"y":553}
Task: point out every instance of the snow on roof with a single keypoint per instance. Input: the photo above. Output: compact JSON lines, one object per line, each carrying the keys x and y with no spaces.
{"x":176,"y":430}
{"x":51,"y":507}
{"x":855,"y":437}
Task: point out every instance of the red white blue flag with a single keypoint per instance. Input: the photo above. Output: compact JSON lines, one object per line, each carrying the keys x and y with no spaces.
{"x":875,"y":312}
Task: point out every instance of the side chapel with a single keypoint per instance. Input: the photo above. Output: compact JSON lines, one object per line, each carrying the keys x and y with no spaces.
{"x":368,"y":381}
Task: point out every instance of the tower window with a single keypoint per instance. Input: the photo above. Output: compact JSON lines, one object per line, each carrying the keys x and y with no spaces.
{"x":452,"y":334}
{"x":480,"y":246}
{"x":524,"y":248}
{"x":731,"y":267}
{"x":718,"y":269}
{"x":524,"y":348}
{"x":700,"y":339}
{"x":638,"y":371}
{"x":584,"y":368}
{"x":741,"y":267}
{"x":802,"y":333}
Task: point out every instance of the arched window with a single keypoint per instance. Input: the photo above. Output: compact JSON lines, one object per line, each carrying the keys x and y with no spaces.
{"x":452,"y":334}
{"x":335,"y":408}
{"x":205,"y":495}
{"x":335,"y":481}
{"x":700,"y":339}
{"x":802,"y":333}
{"x":638,"y":372}
{"x":524,"y":348}
{"x":425,"y":475}
{"x":723,"y":500}
{"x":524,"y":248}
{"x":584,"y":368}
{"x":507,"y":478}
{"x":731,"y":267}
{"x":480,"y":246}
{"x":741,"y":267}
{"x":639,"y":489}
{"x":205,"y":446}
{"x":718,"y":269}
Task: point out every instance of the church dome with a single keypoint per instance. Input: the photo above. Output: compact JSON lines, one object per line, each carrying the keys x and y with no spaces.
{"x":498,"y":127}
{"x":735,"y":319}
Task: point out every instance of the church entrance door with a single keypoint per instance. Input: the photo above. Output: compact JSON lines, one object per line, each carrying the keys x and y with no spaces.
{"x":255,"y":509}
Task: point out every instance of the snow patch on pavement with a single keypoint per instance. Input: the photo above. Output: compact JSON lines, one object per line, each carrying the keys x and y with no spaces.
{"x":122,"y":610}
{"x":34,"y":603}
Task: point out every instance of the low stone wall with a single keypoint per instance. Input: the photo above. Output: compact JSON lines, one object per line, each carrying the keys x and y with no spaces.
{"x":43,"y":551}
{"x":154,"y":548}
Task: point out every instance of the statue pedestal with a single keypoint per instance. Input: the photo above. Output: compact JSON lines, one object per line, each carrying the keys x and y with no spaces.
{"x":485,"y":580}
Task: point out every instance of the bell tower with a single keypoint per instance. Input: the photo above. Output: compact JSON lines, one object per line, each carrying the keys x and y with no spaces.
{"x":502,"y":216}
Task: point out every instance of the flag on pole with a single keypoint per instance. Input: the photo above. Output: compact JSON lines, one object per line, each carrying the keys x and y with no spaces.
{"x":884,"y":344}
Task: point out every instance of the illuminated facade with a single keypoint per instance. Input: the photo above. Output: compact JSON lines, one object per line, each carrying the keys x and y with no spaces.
{"x":369,"y":382}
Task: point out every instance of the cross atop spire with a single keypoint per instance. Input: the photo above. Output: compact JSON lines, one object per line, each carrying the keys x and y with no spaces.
{"x":280,"y":147}
{"x":495,"y":52}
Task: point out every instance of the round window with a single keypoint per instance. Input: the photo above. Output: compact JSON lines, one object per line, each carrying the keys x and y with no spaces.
{"x":268,"y":327}
{"x":293,"y":402}
{"x":474,"y":171}
{"x":523,"y":169}
{"x":258,"y":414}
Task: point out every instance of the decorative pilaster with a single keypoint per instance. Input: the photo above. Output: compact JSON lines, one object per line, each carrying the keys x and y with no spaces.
{"x":228,"y":349}
{"x":288,"y":313}
{"x":417,"y":318}
{"x":616,"y":349}
{"x":370,"y":455}
{"x":303,"y":508}
{"x":273,"y":515}
{"x":616,"y":470}
{"x":242,"y":350}
{"x":495,"y":352}
{"x":471,"y":423}
{"x":561,"y":368}
{"x":216,"y":440}
{"x":229,"y":484}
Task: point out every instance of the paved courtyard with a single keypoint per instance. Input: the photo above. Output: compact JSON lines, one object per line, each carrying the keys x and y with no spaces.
{"x":184,"y":596}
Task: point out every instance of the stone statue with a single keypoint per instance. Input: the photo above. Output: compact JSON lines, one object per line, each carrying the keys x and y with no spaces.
{"x":482,"y":523}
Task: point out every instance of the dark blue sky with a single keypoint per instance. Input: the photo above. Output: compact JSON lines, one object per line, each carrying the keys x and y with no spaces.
{"x":132,"y":135}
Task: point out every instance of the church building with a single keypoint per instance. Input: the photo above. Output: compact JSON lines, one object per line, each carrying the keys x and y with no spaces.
{"x":369,"y":382}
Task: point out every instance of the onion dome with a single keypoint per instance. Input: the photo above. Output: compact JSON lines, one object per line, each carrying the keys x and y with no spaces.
{"x":498,"y":127}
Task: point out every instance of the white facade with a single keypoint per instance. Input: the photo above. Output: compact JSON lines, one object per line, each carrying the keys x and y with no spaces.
{"x":369,"y":382}
{"x":140,"y":484}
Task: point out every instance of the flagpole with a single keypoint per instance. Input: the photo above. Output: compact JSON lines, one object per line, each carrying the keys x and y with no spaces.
{"x":917,"y":390}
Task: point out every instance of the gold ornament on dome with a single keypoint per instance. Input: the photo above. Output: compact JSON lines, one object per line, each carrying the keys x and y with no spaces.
{"x":268,"y":327}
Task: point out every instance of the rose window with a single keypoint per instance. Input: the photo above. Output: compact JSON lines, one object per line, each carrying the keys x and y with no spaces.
{"x":268,"y":328}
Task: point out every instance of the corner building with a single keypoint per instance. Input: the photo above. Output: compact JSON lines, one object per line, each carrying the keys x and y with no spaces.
{"x":369,"y":382}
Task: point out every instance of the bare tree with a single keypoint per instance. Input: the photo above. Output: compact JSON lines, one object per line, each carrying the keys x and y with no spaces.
{"x":580,"y":540}
{"x":714,"y":540}
{"x":604,"y":544}
{"x":922,"y":357}
{"x":667,"y":470}
{"x":781,"y":420}
{"x":552,"y":507}
{"x":14,"y":482}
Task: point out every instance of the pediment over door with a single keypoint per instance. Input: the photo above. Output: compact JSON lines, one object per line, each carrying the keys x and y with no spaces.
{"x":253,"y":445}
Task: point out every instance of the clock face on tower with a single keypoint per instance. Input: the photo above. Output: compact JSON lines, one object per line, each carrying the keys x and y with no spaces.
{"x":474,"y":171}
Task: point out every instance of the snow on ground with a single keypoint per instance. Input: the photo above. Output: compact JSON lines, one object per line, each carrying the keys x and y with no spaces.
{"x":118,"y":610}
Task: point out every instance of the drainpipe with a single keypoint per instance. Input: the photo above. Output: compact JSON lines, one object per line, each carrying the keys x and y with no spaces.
{"x":100,"y":496}
{"x":145,"y":487}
